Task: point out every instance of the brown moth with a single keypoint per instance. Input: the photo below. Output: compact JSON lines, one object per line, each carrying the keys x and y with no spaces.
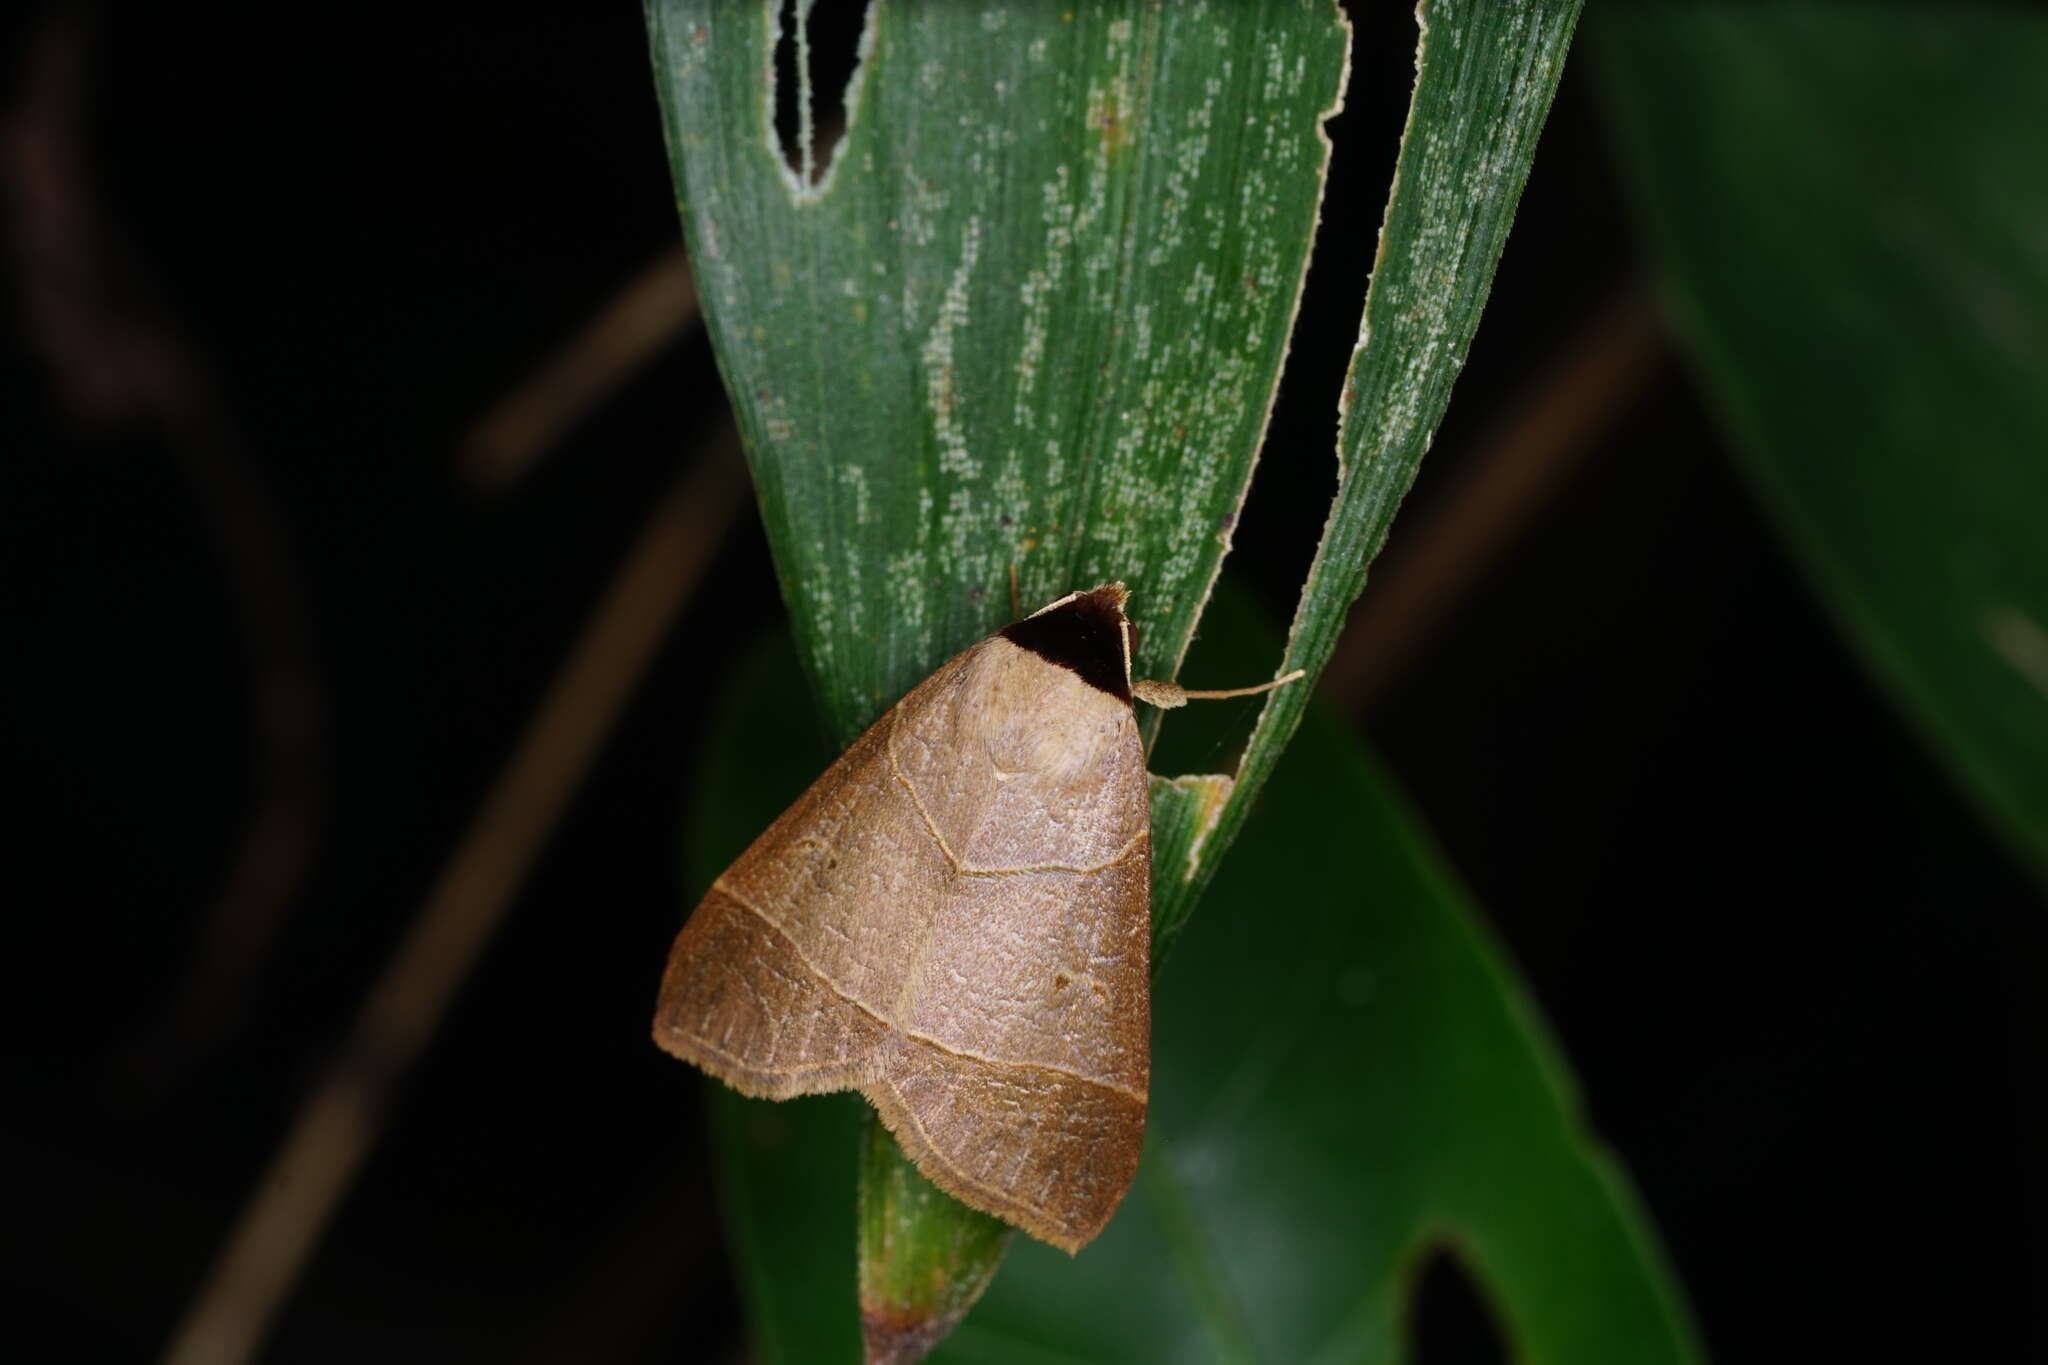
{"x":955,"y":920}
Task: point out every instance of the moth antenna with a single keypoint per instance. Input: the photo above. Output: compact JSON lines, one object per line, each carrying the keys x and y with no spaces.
{"x":1167,"y":696}
{"x":1016,"y":597}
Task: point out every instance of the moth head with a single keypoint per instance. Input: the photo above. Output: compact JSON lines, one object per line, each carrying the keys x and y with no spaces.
{"x":1086,"y":632}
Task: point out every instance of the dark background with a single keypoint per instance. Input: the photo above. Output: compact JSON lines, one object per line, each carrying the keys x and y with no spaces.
{"x":1796,"y":978}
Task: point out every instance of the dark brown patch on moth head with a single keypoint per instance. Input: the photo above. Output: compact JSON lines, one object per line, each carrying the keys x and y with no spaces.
{"x":1085,"y":633}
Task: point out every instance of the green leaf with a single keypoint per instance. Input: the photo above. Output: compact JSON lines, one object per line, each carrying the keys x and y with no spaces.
{"x":1030,"y":317}
{"x":1847,"y":203}
{"x":1345,"y":1078}
{"x":1485,"y":74}
{"x":1032,"y":314}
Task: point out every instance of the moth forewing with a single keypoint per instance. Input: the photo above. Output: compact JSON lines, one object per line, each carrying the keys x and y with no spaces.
{"x":955,"y":920}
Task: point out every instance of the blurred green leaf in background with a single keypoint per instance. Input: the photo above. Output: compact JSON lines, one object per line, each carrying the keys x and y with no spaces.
{"x":1847,"y":202}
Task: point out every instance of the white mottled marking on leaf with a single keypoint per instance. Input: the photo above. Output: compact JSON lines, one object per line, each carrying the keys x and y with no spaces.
{"x":907,"y":586}
{"x":1038,"y":289}
{"x":941,"y":393}
{"x":824,"y":605}
{"x":856,"y":600}
{"x":856,"y":480}
{"x":923,"y":205}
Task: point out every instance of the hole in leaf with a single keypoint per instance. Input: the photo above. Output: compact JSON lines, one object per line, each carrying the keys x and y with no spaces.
{"x":1449,"y":1319}
{"x":818,"y":53}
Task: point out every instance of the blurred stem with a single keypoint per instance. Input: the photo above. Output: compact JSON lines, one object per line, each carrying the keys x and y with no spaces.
{"x":343,"y":1117}
{"x":652,"y":309}
{"x":120,"y":362}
